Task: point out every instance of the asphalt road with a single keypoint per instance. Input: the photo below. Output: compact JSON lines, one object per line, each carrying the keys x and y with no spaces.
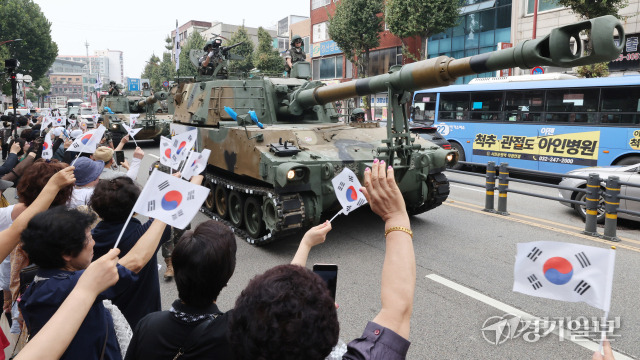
{"x":465,"y":261}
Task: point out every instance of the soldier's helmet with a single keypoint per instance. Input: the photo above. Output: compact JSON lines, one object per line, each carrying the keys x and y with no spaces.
{"x":296,"y":38}
{"x":208,"y":46}
{"x":357,"y":114}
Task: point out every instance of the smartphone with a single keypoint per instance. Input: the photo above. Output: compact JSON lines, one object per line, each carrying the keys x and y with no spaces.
{"x":328,"y":273}
{"x":119,"y":157}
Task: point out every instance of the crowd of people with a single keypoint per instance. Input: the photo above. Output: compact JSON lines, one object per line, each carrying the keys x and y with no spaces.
{"x":67,"y":221}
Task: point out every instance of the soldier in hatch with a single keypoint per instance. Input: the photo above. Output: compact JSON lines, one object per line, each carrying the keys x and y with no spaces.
{"x":357,"y":115}
{"x":295,"y":53}
{"x":208,"y":61}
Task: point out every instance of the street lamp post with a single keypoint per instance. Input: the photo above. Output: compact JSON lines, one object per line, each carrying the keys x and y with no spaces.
{"x":8,"y":41}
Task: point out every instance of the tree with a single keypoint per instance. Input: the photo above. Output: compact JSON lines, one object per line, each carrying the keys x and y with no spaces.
{"x":266,"y":58}
{"x":194,"y":41}
{"x":589,"y":9}
{"x":355,"y":27}
{"x":23,"y":19}
{"x":151,"y":71}
{"x":245,"y":50}
{"x":424,"y":18}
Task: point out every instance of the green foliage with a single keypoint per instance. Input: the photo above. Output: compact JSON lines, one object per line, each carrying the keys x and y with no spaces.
{"x":266,"y":58}
{"x":158,"y":72}
{"x":593,"y":70}
{"x":245,"y":50}
{"x":589,"y":9}
{"x":356,"y":27}
{"x":194,"y":41}
{"x":22,"y":19}
{"x":168,"y":43}
{"x":425,"y":18}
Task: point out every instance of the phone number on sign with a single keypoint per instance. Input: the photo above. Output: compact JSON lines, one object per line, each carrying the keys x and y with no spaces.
{"x":555,"y":159}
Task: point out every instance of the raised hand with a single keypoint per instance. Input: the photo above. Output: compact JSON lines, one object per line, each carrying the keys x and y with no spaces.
{"x":382,"y":192}
{"x":101,"y":274}
{"x":63,"y":178}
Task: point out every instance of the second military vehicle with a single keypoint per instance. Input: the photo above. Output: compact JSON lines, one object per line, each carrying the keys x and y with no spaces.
{"x":115,"y":110}
{"x":270,"y":169}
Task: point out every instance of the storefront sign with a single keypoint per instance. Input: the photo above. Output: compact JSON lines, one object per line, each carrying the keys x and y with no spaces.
{"x":630,"y":57}
{"x":325,"y":48}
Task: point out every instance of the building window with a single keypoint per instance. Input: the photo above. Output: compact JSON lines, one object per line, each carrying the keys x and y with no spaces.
{"x":327,"y":68}
{"x":543,"y":5}
{"x":319,"y":3}
{"x":320,"y":32}
{"x":381,"y":60}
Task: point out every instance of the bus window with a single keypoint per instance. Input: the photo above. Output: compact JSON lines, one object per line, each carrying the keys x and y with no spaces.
{"x":453,"y":106}
{"x":524,"y":105}
{"x":572,"y":100}
{"x":620,"y":100}
{"x":486,"y":105}
{"x":424,"y":107}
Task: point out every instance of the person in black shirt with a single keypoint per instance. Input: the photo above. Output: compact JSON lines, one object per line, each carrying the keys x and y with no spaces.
{"x":203,"y":262}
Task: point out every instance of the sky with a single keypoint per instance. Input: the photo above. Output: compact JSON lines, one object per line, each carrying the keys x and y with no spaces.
{"x":138,"y":28}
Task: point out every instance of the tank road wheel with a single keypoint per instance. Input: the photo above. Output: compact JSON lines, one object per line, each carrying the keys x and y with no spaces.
{"x":236,"y":204}
{"x":220,"y":198}
{"x":208,"y":202}
{"x":253,"y":222}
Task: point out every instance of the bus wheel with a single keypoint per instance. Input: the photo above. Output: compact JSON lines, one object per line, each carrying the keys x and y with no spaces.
{"x":631,"y":160}
{"x":461,"y":157}
{"x":582,"y":209}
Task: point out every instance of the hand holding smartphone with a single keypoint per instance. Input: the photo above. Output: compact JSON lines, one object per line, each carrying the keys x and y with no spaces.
{"x":119,"y":157}
{"x":328,"y":273}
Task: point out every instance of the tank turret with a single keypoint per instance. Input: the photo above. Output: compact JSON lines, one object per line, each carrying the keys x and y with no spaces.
{"x":270,"y":174}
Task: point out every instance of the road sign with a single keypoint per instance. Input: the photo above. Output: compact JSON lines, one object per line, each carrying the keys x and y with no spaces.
{"x":165,"y":84}
{"x":537,"y":70}
{"x":134,"y":84}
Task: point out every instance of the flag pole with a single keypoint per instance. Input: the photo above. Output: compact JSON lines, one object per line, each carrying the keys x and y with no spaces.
{"x":123,"y":228}
{"x":336,"y":215}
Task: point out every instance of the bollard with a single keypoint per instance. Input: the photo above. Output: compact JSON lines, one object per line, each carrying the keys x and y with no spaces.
{"x":592,"y":202}
{"x":611,"y":204}
{"x":490,"y":186}
{"x":503,"y":186}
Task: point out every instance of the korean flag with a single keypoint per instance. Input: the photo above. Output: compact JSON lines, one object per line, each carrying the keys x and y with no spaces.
{"x":72,"y":122}
{"x":60,"y":121}
{"x":130,"y":131}
{"x":165,"y":151}
{"x":347,"y":188}
{"x":564,"y":271}
{"x":181,"y":145}
{"x":47,"y":150}
{"x":133,"y":119}
{"x":170,"y":199}
{"x":46,"y":122}
{"x":88,"y":141}
{"x":196,"y":163}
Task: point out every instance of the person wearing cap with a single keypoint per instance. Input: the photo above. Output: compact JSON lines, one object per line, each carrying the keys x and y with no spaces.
{"x":105,"y":154}
{"x":87,"y":174}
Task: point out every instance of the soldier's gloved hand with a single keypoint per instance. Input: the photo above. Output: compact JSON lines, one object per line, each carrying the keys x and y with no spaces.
{"x":210,"y":54}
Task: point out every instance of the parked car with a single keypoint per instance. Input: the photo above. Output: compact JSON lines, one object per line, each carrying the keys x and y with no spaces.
{"x":428,"y":131}
{"x":627,"y":173}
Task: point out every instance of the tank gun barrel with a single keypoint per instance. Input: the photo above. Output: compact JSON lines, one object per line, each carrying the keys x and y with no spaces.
{"x":555,"y":49}
{"x":161,"y":95}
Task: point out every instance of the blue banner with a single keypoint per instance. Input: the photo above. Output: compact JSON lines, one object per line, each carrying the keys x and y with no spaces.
{"x":325,"y":48}
{"x":134,"y":84}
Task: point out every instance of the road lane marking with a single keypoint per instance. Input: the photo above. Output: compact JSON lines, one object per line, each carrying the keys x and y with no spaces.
{"x":467,"y":188}
{"x":551,"y":227}
{"x":508,"y":309}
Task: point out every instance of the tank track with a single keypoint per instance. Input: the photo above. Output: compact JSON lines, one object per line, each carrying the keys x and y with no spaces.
{"x":440,"y":185}
{"x":289,"y":210}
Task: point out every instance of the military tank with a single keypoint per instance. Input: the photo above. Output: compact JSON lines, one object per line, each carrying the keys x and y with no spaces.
{"x":154,"y":121}
{"x":270,"y":176}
